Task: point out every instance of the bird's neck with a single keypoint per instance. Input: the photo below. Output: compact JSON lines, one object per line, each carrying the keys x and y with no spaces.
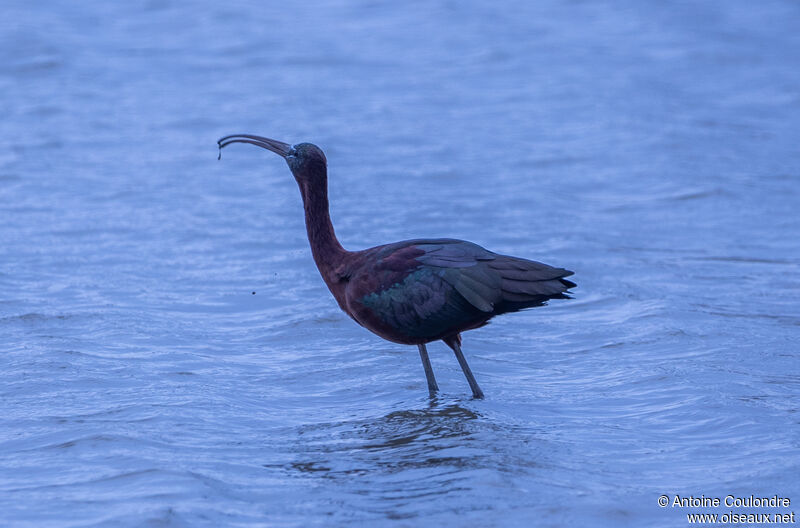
{"x":325,"y":247}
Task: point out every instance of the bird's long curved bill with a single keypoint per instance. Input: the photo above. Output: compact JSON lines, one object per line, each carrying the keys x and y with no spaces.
{"x":278,"y":147}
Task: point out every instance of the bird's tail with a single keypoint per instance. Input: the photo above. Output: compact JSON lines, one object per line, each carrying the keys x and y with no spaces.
{"x":527,"y":283}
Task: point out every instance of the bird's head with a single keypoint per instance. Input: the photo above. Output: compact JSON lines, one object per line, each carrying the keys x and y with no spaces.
{"x":306,"y":161}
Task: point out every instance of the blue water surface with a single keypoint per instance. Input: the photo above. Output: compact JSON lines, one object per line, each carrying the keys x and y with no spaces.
{"x":171,"y":357}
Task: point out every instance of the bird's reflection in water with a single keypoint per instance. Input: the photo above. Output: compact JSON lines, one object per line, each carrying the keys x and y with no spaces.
{"x":421,"y":462}
{"x":432,"y":425}
{"x":403,"y":445}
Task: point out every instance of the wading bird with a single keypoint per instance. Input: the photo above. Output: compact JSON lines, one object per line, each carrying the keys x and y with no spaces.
{"x":416,"y":291}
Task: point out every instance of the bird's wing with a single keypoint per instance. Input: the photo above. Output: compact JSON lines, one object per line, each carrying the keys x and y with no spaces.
{"x":423,"y":287}
{"x":421,"y":305}
{"x":409,"y":287}
{"x":492,"y":282}
{"x":464,"y":266}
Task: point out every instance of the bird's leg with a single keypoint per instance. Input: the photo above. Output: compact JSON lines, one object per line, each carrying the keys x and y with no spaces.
{"x":473,"y":384}
{"x":433,"y":388}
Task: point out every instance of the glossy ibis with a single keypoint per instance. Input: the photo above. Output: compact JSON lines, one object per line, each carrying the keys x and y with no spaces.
{"x":416,"y":291}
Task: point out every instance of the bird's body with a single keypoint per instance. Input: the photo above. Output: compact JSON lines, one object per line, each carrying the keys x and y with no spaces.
{"x":416,"y":291}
